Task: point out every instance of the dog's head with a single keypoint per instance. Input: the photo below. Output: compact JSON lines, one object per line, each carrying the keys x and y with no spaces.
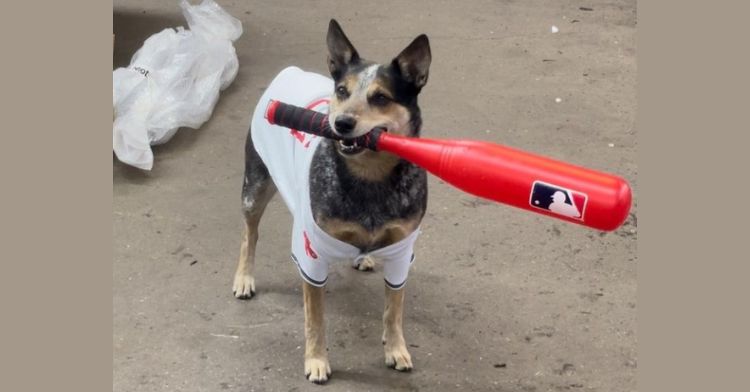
{"x":368,"y":95}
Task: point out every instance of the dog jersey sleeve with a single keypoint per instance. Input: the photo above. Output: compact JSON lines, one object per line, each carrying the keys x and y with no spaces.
{"x":397,"y":259}
{"x":313,"y":267}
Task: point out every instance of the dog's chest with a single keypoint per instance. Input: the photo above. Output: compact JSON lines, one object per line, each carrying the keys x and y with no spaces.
{"x":356,"y":234}
{"x":368,"y":215}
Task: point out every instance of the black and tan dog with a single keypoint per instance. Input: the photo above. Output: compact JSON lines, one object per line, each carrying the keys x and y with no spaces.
{"x":364,"y":198}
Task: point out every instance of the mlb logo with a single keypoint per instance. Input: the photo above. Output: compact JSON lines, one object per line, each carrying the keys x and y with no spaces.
{"x":558,"y":200}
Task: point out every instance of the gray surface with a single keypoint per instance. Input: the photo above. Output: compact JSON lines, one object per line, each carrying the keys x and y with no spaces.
{"x":554,"y":302}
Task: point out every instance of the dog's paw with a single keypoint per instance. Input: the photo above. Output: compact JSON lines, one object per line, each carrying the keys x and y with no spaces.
{"x":366,"y":264}
{"x":398,"y":357}
{"x":244,"y":286}
{"x":317,"y":370}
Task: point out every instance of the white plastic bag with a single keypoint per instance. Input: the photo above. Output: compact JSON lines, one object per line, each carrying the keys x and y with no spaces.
{"x":173,"y":81}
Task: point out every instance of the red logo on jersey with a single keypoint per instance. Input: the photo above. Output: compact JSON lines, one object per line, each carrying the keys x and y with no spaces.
{"x":298,"y":135}
{"x":308,"y":248}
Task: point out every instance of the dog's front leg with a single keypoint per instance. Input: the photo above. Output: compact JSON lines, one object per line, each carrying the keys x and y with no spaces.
{"x":317,"y":368}
{"x":396,"y":354}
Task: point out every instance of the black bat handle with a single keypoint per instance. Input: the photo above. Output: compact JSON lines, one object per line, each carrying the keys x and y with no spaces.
{"x":312,"y":122}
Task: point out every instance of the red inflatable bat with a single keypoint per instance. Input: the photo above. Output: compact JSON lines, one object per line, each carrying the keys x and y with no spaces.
{"x":495,"y":172}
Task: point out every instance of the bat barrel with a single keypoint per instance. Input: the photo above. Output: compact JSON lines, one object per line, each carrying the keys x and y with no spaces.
{"x":521,"y":179}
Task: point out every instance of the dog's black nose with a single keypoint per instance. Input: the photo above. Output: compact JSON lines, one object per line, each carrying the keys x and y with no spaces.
{"x":345,"y":124}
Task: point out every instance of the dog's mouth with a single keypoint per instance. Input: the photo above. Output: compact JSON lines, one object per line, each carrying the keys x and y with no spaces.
{"x":355,"y":146}
{"x":350,"y":147}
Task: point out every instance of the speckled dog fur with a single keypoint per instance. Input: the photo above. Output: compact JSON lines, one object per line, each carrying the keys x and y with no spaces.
{"x":367,"y":199}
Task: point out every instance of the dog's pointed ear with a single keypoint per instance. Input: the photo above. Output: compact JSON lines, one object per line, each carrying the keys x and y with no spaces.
{"x":414,"y":62}
{"x":341,"y":52}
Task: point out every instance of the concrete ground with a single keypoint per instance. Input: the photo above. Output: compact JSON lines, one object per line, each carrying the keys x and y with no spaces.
{"x":498,"y":300}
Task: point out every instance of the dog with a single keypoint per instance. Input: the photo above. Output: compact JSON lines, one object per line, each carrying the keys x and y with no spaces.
{"x":348,"y":202}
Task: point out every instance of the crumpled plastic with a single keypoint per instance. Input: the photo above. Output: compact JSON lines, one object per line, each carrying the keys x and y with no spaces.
{"x":173,"y":81}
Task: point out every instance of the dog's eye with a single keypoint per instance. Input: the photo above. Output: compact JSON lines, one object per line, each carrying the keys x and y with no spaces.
{"x":379,"y":99}
{"x":341,"y":92}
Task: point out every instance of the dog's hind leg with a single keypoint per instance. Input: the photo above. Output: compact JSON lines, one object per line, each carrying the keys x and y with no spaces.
{"x":396,"y":354}
{"x":257,"y":191}
{"x":317,"y":368}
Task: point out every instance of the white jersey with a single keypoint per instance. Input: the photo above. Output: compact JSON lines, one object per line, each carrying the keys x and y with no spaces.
{"x":288,"y":154}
